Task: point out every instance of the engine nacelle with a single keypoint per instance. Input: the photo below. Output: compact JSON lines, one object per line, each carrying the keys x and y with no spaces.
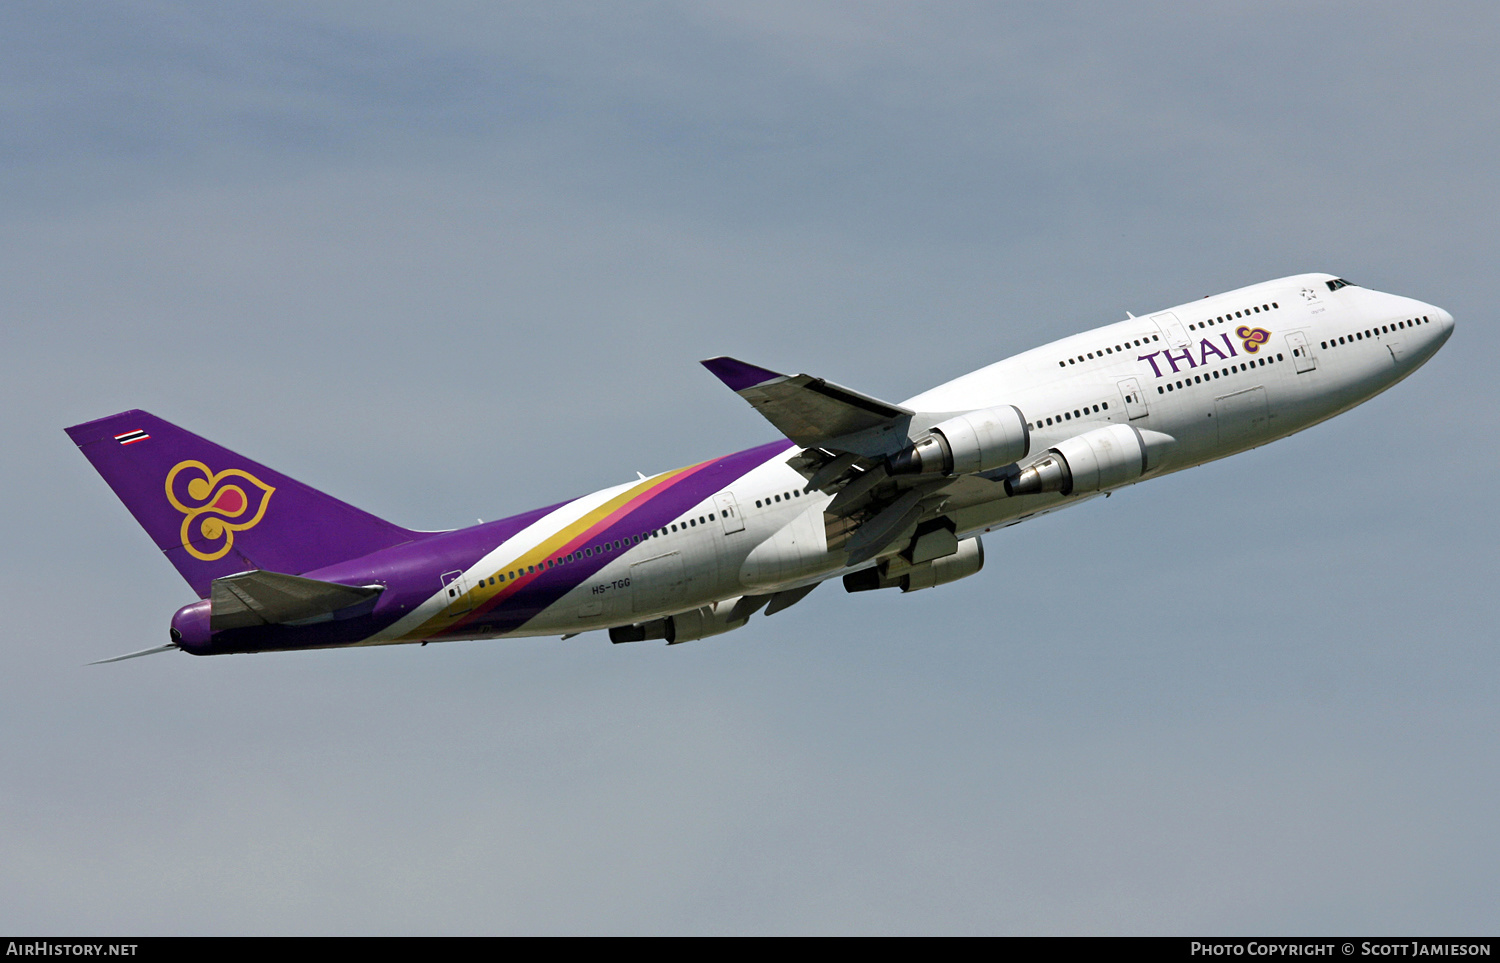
{"x":968,"y":560}
{"x":970,"y":443}
{"x":1090,"y":462}
{"x":699,"y":623}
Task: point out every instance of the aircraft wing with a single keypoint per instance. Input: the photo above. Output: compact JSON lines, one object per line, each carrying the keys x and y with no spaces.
{"x":266,"y":598}
{"x":846,"y":437}
{"x":813,"y":412}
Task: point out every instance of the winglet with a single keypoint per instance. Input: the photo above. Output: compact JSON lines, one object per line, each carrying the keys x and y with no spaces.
{"x":739,"y":375}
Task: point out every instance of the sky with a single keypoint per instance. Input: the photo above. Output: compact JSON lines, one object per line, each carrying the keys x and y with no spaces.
{"x":453,"y":261}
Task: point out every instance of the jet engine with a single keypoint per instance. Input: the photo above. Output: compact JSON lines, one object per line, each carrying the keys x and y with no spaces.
{"x":895,"y":573}
{"x":973,"y":442}
{"x":1090,"y":462}
{"x":699,"y":623}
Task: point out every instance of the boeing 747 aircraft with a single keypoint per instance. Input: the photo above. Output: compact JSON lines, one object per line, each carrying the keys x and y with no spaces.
{"x":879,"y":495}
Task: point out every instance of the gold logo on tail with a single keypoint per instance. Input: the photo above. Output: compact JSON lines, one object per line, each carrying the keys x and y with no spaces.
{"x":214,"y":507}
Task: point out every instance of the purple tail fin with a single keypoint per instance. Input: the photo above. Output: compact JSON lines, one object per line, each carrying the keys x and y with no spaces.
{"x":215,"y":513}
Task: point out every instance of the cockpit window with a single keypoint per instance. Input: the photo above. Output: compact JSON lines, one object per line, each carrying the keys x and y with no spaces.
{"x":1337,"y":283}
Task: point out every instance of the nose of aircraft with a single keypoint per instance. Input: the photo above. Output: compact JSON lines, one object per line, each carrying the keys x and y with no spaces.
{"x":1438,"y":330}
{"x":1444,"y":320}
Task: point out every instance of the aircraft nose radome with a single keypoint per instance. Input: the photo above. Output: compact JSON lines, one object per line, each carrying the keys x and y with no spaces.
{"x":1442,"y":325}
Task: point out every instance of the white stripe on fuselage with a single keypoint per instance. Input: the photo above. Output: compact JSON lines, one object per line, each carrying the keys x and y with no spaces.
{"x":503,"y":556}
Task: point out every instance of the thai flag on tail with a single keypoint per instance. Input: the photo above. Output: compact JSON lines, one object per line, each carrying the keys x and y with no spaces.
{"x":131,"y":437}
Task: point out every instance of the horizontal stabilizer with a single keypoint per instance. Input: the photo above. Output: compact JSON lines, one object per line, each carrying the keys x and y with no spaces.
{"x":271,"y":598}
{"x":810,"y":411}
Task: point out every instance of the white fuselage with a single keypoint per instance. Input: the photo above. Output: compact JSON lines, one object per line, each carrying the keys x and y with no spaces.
{"x":1219,"y":375}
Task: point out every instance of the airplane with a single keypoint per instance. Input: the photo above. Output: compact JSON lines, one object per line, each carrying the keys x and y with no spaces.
{"x":878,"y":495}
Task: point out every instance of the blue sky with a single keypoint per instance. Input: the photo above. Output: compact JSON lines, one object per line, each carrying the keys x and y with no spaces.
{"x":459,"y":261}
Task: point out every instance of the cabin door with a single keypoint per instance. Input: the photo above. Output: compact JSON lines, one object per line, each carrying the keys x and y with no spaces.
{"x":456,"y":590}
{"x":729,"y":512}
{"x":1171,"y":329}
{"x":1135,"y":401}
{"x":1302,"y":355}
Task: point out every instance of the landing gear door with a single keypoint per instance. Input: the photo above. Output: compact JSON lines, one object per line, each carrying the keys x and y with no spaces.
{"x":1135,"y":401}
{"x":1302,"y":355}
{"x":729,"y":512}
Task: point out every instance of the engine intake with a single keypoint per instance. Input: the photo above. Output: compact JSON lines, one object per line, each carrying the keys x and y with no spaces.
{"x":970,"y":443}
